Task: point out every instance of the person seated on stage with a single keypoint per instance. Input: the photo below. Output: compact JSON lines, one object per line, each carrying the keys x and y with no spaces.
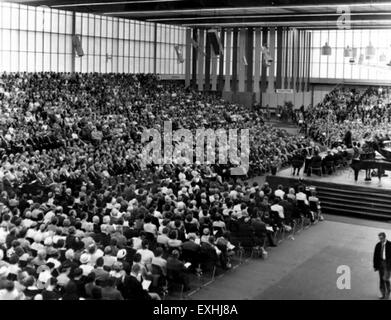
{"x":297,"y":161}
{"x":356,"y":151}
{"x":316,"y":158}
{"x":338,"y":155}
{"x":344,"y":151}
{"x":328,"y":163}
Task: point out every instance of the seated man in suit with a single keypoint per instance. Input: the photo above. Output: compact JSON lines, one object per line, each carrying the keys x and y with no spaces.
{"x":328,"y":162}
{"x":316,"y":158}
{"x":261,"y":233}
{"x":191,"y":250}
{"x":297,"y":161}
{"x":208,"y":253}
{"x":338,"y":155}
{"x":176,"y":270}
{"x":289,"y":210}
{"x":130,"y":286}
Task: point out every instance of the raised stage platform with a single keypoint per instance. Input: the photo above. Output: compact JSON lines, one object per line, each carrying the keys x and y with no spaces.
{"x":340,"y":194}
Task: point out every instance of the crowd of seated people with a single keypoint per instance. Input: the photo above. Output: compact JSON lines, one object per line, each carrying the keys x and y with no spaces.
{"x":80,"y":219}
{"x":84,"y":244}
{"x":367,"y":114}
{"x":91,"y":124}
{"x":311,"y":160}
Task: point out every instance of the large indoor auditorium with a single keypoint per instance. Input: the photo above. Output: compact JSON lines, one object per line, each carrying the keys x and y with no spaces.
{"x":195,"y":150}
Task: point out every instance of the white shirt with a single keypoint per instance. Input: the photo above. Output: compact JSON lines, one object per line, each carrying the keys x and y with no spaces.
{"x":237,"y":211}
{"x":279,"y":209}
{"x":146,"y":256}
{"x":87,"y":269}
{"x":136,"y":243}
{"x":150,"y":227}
{"x":13,"y":295}
{"x":279,"y":193}
{"x":302,"y":196}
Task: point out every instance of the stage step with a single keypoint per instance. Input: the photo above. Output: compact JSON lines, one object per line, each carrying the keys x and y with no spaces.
{"x":337,"y":207}
{"x":345,"y":199}
{"x":359,"y":204}
{"x":352,"y":197}
{"x":354,"y":213}
{"x":354,"y":202}
{"x":352,"y":190}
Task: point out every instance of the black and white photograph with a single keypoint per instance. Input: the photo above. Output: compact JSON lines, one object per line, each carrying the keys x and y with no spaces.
{"x":179,"y":152}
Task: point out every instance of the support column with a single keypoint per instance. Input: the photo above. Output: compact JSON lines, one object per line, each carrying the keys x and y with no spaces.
{"x":257,"y":62}
{"x":263,"y":70}
{"x":286,"y":62}
{"x":303,"y":50}
{"x":272,"y":44}
{"x":73,"y":62}
{"x":213,"y":72}
{"x":188,"y":58}
{"x":309,"y":57}
{"x":194,"y":60}
{"x":298,"y":62}
{"x":154,"y":47}
{"x":294,"y":59}
{"x":279,"y":59}
{"x":220,"y":81}
{"x":241,"y":59}
{"x":235,"y":60}
{"x":250,"y":59}
{"x":207,"y":62}
{"x":201,"y":57}
{"x":227,"y":84}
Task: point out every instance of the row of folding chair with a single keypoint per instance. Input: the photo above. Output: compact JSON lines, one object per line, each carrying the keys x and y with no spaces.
{"x":202,"y":278}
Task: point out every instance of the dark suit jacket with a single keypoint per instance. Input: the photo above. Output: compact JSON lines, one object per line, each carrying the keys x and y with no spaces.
{"x":377,"y":255}
{"x":131,"y":289}
{"x":348,"y":139}
{"x":190,"y":246}
{"x":316,"y":159}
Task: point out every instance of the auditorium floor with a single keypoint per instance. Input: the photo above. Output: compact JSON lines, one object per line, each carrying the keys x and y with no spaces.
{"x":306,"y":268}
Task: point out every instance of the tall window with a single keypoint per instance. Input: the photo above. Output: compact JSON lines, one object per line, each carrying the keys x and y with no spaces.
{"x":37,"y":39}
{"x":361,"y":66}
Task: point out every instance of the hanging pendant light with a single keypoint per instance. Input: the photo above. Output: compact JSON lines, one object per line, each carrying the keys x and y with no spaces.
{"x":382,"y":57}
{"x":326,"y":50}
{"x":347,"y":52}
{"x":370,"y":51}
